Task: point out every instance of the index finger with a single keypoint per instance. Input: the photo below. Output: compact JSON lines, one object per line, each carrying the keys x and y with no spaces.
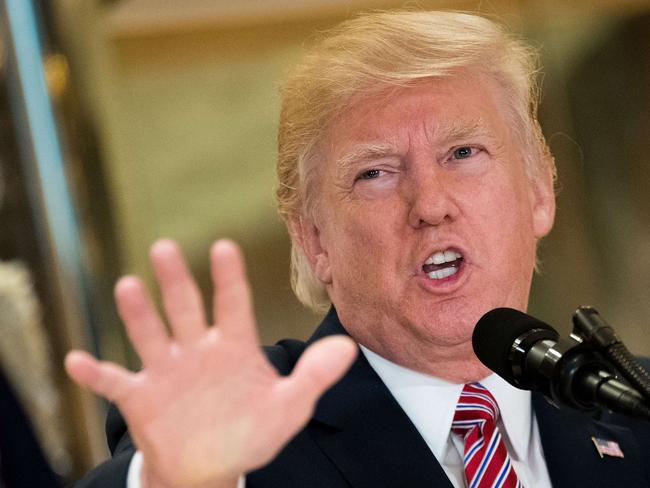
{"x":232,"y":302}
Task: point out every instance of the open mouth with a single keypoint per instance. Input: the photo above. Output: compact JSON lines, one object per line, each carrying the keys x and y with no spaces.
{"x":442,"y":264}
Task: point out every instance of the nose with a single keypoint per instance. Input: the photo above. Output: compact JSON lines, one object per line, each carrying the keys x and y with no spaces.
{"x":432,"y":197}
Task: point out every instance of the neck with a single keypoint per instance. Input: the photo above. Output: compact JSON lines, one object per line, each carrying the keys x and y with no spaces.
{"x":456,"y":364}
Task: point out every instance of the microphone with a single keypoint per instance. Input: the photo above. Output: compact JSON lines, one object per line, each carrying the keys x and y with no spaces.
{"x":526,"y":353}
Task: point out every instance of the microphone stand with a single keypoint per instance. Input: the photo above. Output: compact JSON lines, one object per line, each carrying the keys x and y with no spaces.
{"x":588,"y":324}
{"x":574,"y":373}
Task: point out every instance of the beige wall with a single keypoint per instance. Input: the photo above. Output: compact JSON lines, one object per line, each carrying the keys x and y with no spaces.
{"x":186,"y":112}
{"x":183,"y":99}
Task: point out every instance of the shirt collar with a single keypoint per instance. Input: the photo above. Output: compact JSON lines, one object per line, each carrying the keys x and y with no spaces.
{"x":430,"y":403}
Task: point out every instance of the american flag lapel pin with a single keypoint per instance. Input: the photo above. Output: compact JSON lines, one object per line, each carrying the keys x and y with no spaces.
{"x":607,"y":448}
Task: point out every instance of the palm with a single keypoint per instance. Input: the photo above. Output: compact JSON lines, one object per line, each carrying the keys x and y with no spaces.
{"x":206,"y":405}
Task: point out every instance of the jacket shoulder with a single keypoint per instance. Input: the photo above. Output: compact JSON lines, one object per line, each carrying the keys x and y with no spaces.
{"x":284,"y":355}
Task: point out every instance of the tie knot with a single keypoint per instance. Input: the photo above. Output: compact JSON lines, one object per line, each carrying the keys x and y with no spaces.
{"x":476,"y":406}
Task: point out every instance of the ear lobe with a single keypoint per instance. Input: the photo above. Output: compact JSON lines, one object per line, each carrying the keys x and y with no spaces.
{"x":307,"y":234}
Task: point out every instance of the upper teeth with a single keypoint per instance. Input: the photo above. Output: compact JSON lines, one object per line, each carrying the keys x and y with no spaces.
{"x":441,"y":257}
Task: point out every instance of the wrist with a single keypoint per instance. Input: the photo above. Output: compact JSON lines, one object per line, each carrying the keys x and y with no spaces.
{"x":149,"y":479}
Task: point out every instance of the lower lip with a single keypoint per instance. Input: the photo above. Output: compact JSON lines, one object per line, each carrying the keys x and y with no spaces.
{"x":448,"y":284}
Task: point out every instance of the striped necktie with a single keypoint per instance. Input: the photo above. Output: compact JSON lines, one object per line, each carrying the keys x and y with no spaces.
{"x":486,"y":460}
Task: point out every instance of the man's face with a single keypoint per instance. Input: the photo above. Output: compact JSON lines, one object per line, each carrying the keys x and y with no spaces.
{"x":426,"y":219}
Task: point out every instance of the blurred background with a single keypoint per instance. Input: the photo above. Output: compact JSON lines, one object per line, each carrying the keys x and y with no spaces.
{"x":122,"y":121}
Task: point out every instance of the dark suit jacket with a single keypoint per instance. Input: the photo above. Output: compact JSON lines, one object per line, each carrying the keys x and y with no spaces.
{"x":22,"y":462}
{"x":359,"y":437}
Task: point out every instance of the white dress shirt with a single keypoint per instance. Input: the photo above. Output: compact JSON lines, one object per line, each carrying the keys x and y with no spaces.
{"x":430,"y":403}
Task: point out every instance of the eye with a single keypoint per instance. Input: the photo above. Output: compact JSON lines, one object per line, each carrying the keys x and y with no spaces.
{"x":370,"y":174}
{"x":464,"y":152}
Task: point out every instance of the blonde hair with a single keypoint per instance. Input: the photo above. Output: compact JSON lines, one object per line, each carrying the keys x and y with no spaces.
{"x":363,"y":57}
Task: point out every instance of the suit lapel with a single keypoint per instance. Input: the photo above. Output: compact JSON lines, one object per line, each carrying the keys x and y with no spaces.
{"x":362,"y":429}
{"x":571,"y":456}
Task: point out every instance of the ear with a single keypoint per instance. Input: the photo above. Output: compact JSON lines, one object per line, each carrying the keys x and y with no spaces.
{"x":543,"y":204}
{"x":308,"y":236}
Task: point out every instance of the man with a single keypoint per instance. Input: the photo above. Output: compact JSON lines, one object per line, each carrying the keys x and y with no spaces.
{"x":415,"y":184}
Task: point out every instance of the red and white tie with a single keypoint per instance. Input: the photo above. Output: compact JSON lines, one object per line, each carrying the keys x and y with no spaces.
{"x":486,"y":460}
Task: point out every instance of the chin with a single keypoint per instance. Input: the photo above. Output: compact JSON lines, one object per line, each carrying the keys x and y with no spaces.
{"x":451,"y":322}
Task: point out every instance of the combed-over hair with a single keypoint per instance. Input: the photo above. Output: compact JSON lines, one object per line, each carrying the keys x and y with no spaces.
{"x":368,"y":54}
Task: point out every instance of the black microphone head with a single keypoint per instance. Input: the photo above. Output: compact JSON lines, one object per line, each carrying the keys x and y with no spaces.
{"x":494,"y":336}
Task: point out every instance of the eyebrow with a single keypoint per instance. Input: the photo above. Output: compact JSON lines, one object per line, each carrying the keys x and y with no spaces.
{"x":463,"y":130}
{"x":448,"y":133}
{"x":364,"y":152}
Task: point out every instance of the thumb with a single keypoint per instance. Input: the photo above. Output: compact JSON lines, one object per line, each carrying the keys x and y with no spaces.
{"x":321,"y":365}
{"x":102,"y":377}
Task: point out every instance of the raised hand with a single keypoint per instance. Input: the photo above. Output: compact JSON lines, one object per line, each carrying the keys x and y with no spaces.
{"x":206,"y":406}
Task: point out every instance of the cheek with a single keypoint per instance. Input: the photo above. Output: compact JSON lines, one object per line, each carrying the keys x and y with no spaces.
{"x":361,"y":225}
{"x":362,"y":245}
{"x":506,"y":222}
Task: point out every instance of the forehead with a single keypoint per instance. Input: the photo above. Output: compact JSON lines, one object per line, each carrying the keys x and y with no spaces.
{"x":440,"y":110}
